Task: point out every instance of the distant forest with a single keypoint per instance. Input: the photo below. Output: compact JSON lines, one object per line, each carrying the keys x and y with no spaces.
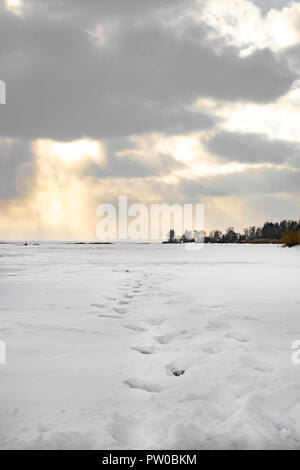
{"x":270,"y":232}
{"x":286,"y":232}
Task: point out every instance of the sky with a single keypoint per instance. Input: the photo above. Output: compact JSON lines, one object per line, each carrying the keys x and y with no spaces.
{"x":164,"y":101}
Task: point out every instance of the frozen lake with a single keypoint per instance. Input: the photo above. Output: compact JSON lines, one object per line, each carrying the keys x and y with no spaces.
{"x":149,"y":346}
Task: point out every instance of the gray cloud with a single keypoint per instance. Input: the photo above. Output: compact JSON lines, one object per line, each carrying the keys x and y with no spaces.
{"x":253,"y":181}
{"x":292,"y":54}
{"x":129,"y":167}
{"x":252,"y":148}
{"x":267,"y":5}
{"x":125,"y":167}
{"x":61,"y":85}
{"x":91,"y":11}
{"x":16,"y":168}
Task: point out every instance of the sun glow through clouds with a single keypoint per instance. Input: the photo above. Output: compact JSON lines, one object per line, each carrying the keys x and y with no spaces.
{"x":13,"y":5}
{"x":70,"y":152}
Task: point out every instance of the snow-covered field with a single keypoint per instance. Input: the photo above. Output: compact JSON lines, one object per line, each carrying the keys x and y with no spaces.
{"x":149,"y":346}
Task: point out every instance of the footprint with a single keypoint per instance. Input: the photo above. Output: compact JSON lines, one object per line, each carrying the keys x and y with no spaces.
{"x":125,"y":430}
{"x":109,"y":316}
{"x":143,"y":349}
{"x":121,"y":311}
{"x":112,"y":299}
{"x":177,"y":372}
{"x":216,"y":325}
{"x":165,"y":339}
{"x":238,"y":336}
{"x":218,"y":306}
{"x":123,"y":302}
{"x":256,"y":364}
{"x":172,"y":302}
{"x":99,"y":305}
{"x":179,"y":366}
{"x":212,"y":348}
{"x":263,"y":368}
{"x":143,"y":384}
{"x":156,"y":321}
{"x":128,"y":296}
{"x":137,"y":328}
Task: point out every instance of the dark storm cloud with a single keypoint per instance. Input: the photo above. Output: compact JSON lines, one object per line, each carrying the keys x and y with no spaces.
{"x":16,"y":168}
{"x":61,"y":85}
{"x":252,"y":148}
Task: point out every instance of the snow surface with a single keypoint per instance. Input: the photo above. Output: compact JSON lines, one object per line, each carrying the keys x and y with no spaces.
{"x":149,"y":346}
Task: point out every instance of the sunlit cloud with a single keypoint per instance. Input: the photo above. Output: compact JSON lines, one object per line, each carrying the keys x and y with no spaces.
{"x":15,"y":6}
{"x":279,"y":120}
{"x":98,"y":35}
{"x":241,"y":23}
{"x":189,"y":149}
{"x":71,"y":152}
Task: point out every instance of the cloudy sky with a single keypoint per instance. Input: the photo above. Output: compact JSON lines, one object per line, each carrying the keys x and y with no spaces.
{"x":161,"y":100}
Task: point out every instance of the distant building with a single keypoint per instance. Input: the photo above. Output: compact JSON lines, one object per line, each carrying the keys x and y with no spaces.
{"x":187,"y":237}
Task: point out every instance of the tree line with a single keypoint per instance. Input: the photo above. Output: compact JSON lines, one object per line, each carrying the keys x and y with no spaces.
{"x":286,"y":232}
{"x":269,"y":232}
